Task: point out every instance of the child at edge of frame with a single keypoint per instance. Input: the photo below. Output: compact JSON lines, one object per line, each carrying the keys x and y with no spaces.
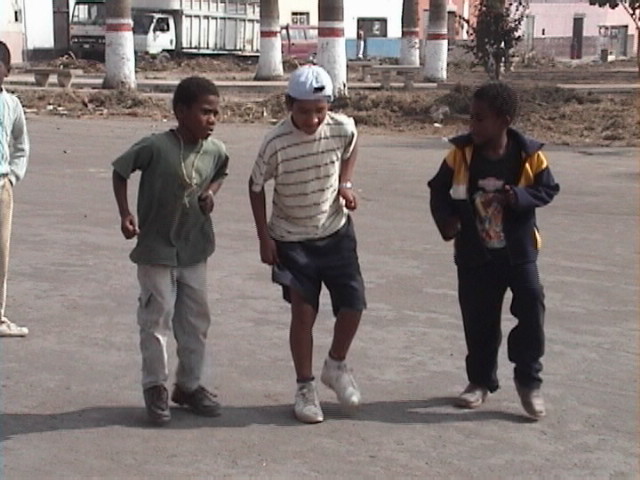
{"x":14,"y":157}
{"x":182,"y":169}
{"x":484,"y":197}
{"x":310,"y":239}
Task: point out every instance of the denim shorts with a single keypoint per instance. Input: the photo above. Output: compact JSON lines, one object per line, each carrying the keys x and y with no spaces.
{"x":333,"y":260}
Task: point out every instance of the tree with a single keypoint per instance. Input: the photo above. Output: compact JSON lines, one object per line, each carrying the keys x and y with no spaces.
{"x":495,"y":33}
{"x":436,"y":49}
{"x":410,"y":48}
{"x":332,"y":50}
{"x":270,"y":61}
{"x":632,"y":7}
{"x":119,"y":56}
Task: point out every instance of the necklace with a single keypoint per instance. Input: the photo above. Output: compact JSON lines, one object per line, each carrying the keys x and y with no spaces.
{"x":190,"y":181}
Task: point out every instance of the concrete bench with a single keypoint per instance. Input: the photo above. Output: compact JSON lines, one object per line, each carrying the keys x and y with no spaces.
{"x":364,"y":66}
{"x":63,"y":75}
{"x":409,"y":72}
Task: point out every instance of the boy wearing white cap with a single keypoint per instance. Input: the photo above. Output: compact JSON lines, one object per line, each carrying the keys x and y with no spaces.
{"x":309,"y":239}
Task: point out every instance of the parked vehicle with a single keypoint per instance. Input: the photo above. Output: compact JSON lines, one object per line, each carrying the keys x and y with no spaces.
{"x":299,"y":42}
{"x":168,"y":26}
{"x":87,"y":28}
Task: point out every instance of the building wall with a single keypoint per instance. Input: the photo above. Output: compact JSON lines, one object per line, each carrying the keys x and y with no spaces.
{"x":12,"y":31}
{"x":39,"y":24}
{"x":553,"y":27}
{"x":288,"y":7}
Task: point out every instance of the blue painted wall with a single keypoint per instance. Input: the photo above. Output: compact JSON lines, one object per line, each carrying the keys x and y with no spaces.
{"x":376,"y":47}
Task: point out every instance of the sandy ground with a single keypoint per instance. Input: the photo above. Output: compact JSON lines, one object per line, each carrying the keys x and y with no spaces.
{"x":71,"y":401}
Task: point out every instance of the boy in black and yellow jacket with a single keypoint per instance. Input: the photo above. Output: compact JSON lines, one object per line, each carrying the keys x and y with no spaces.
{"x":484,"y":197}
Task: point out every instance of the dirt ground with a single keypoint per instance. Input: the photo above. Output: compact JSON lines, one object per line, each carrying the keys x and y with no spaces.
{"x":547,"y":112}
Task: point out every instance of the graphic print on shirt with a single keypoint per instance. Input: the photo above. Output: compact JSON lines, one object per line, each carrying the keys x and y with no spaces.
{"x":489,"y":201}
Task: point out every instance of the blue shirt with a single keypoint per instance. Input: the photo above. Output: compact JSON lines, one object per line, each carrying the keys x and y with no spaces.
{"x":14,"y":141}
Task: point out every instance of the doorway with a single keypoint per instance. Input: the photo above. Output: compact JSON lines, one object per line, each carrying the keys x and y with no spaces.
{"x":578,"y":34}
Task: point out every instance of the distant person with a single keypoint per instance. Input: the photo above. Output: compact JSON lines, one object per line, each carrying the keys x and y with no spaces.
{"x":182,"y":170}
{"x":310,"y":238}
{"x":14,"y":155}
{"x":484,"y":197}
{"x":360,"y":44}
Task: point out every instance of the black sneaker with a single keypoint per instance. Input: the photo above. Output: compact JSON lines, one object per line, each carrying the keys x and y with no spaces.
{"x":156,"y":399}
{"x":201,"y":401}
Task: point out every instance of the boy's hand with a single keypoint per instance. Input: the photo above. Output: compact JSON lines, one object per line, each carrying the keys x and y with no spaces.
{"x":451,"y":228}
{"x":268,"y":251}
{"x":349,"y":196}
{"x":510,"y":196}
{"x":129,"y":227}
{"x":205,"y":201}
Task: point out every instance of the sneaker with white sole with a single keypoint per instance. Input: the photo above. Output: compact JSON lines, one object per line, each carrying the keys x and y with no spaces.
{"x":472,"y":397}
{"x":532,"y":401}
{"x":10,"y":329}
{"x":307,"y":405}
{"x":337,"y":376}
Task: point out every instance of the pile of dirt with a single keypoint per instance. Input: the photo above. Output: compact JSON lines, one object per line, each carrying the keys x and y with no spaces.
{"x":549,"y":113}
{"x":99,"y":103}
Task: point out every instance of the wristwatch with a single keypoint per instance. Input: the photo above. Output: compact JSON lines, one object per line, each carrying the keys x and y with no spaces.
{"x":348,"y":185}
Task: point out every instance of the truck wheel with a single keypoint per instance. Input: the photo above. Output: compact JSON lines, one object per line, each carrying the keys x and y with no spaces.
{"x":163,"y":58}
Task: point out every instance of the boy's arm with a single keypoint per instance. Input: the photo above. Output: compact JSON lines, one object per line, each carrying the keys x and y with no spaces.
{"x":539,"y":194}
{"x":268,"y":251}
{"x":345,"y":188}
{"x":206,"y":198}
{"x":128,"y":224}
{"x":441,"y":203}
{"x":19,"y":153}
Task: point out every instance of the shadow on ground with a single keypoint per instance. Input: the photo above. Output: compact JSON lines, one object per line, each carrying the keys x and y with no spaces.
{"x":398,"y":412}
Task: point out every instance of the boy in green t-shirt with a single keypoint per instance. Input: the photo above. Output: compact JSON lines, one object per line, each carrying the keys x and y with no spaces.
{"x":182,"y":170}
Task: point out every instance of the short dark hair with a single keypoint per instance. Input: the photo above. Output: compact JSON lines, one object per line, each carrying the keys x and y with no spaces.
{"x":191,"y":89}
{"x":499,"y":97}
{"x":5,"y":55}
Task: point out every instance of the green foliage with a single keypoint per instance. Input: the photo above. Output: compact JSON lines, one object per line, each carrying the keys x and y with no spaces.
{"x":495,"y":34}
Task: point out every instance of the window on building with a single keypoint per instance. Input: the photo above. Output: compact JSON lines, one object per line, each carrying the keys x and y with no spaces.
{"x":373,"y":27}
{"x":300,"y":18}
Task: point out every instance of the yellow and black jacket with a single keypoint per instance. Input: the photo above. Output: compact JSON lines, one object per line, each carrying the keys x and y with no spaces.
{"x":535,"y":188}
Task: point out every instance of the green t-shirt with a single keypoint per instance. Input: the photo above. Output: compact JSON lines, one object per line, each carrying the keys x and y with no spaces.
{"x":173,"y":229}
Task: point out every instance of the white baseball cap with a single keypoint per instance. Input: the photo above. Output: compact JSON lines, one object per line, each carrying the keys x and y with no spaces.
{"x":310,"y":82}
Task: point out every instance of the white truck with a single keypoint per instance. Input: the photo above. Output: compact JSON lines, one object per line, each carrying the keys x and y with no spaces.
{"x":173,"y":26}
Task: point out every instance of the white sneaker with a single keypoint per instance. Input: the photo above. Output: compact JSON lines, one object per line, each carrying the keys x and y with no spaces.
{"x":337,"y":376}
{"x":307,"y":406}
{"x":472,"y":397}
{"x":10,"y":329}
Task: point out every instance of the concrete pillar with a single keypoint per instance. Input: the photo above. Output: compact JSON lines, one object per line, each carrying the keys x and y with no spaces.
{"x":436,"y":49}
{"x":332,"y":49}
{"x":410,"y":46}
{"x":270,"y":61}
{"x":120,"y":61}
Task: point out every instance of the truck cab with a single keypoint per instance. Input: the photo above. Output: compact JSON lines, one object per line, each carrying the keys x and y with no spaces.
{"x":153,"y":33}
{"x":87,"y":28}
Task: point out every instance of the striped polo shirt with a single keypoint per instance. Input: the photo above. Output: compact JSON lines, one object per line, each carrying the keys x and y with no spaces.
{"x":306,"y":173}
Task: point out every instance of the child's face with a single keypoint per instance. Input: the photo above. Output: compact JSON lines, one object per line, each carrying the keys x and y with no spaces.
{"x":4,"y":72}
{"x":308,"y":115}
{"x":200,"y":119}
{"x":485,"y":124}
